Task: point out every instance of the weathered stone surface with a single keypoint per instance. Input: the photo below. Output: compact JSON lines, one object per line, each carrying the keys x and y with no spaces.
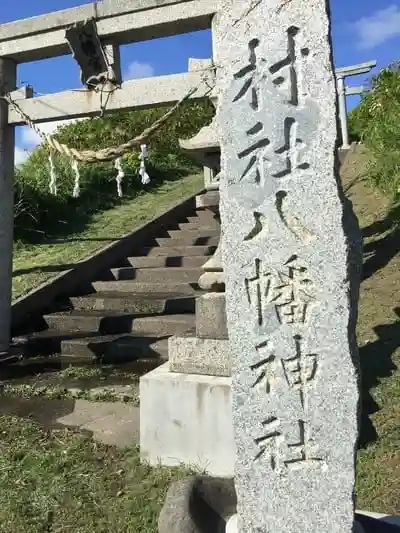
{"x":212,"y":281}
{"x":192,"y":355}
{"x":291,"y":262}
{"x":186,"y":418}
{"x":198,"y":504}
{"x":203,"y":146}
{"x":199,"y":64}
{"x":210,"y":199}
{"x":204,"y":504}
{"x":112,"y":423}
{"x":206,"y":140}
{"x":44,"y":36}
{"x":211,"y":176}
{"x":148,"y":92}
{"x":211,"y":316}
{"x":363,"y":524}
{"x":213,"y":277}
{"x":214,"y":264}
{"x":89,"y":53}
{"x":8,"y":70}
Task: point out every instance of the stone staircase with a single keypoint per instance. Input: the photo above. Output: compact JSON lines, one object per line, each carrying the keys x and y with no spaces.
{"x":131,"y":310}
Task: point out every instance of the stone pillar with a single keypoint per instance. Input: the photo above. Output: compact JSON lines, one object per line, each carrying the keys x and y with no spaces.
{"x":291,"y":256}
{"x":213,"y":277}
{"x":211,"y":177}
{"x":344,"y":123}
{"x":7,"y":146}
{"x":210,"y":308}
{"x":204,"y":147}
{"x":185,"y":405}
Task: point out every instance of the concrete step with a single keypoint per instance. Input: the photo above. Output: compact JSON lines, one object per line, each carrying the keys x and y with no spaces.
{"x":188,"y":239}
{"x":193,"y":233}
{"x":114,"y":301}
{"x":107,"y":323}
{"x":202,"y":213}
{"x":174,"y":274}
{"x":201,"y":220}
{"x":48,"y":342}
{"x":166,"y":261}
{"x":165,"y":325}
{"x":196,"y":226}
{"x":173,"y":250}
{"x":115,"y":349}
{"x":136,"y":287}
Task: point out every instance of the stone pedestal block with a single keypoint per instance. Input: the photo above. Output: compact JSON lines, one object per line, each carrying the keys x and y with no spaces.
{"x":208,"y":200}
{"x":211,"y":175}
{"x":213,"y":278}
{"x":191,"y":355}
{"x":187,"y":419}
{"x":211,"y":316}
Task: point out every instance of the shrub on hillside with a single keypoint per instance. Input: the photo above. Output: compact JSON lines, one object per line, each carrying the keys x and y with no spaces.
{"x":38,"y":212}
{"x":376,"y":122}
{"x":121,"y":127}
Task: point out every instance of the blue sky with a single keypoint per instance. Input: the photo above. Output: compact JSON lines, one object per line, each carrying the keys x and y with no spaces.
{"x":362,"y":30}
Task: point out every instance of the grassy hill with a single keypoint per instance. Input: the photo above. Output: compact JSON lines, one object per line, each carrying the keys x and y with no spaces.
{"x":376,"y":123}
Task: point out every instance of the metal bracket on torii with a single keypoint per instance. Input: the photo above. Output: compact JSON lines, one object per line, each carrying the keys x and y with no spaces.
{"x":99,"y":64}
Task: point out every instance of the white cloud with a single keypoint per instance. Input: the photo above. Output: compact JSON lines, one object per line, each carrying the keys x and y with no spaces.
{"x":378,"y":28}
{"x":21,"y":156}
{"x":139,"y":70}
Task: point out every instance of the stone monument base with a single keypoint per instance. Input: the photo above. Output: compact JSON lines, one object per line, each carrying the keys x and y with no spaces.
{"x":187,"y":418}
{"x":194,"y":355}
{"x":364,"y":523}
{"x":203,"y":504}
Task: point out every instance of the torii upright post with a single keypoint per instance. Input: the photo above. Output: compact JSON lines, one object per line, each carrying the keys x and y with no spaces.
{"x":8,"y":70}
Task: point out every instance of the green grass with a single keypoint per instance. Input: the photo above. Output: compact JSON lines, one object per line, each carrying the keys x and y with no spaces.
{"x":378,"y":462}
{"x":63,"y":482}
{"x":102,"y":383}
{"x":376,"y":122}
{"x":60,"y":481}
{"x":81,"y":372}
{"x":59,"y":392}
{"x":35,"y":264}
{"x":378,"y":465}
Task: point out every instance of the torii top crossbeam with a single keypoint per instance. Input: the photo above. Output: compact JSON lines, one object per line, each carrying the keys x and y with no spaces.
{"x":118,"y":22}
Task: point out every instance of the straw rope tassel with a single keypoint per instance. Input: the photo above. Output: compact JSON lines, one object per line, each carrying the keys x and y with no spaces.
{"x":53,"y":175}
{"x":75,"y":168}
{"x":142,"y":171}
{"x":120,"y":176}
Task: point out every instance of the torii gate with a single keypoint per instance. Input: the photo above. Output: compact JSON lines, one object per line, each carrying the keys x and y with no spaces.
{"x":42,"y":37}
{"x":343,"y":91}
{"x":117,"y":23}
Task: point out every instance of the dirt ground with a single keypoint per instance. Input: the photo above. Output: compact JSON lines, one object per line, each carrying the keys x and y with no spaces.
{"x":378,"y":483}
